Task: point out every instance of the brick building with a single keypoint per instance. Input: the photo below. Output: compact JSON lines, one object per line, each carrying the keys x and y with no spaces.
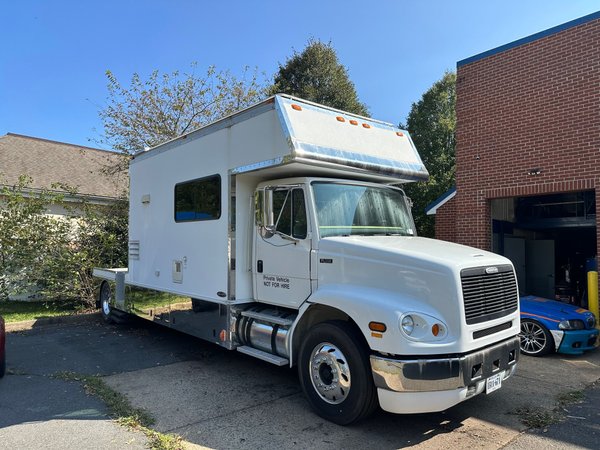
{"x":528,"y":157}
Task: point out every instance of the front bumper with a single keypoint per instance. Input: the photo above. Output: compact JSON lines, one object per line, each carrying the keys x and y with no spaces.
{"x":575,"y":342}
{"x":460,"y":376}
{"x":440,"y":374}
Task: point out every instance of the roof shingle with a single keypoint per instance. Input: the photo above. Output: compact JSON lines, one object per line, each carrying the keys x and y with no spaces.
{"x":48,"y":162}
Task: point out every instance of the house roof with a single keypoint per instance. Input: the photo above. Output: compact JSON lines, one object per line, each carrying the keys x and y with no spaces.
{"x":48,"y":162}
{"x":533,"y":37}
{"x":432,"y":208}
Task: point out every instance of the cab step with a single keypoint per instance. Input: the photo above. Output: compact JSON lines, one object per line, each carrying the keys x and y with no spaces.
{"x":282,"y":321}
{"x":268,"y":357}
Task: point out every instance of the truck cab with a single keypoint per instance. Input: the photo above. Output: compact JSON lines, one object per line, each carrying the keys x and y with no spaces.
{"x":349,"y":250}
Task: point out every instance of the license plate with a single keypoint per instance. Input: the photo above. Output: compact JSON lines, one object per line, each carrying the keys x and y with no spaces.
{"x":493,"y":383}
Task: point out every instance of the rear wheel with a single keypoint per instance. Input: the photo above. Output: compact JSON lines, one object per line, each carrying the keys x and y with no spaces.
{"x":536,"y":340}
{"x":105,"y":303}
{"x":335,"y":373}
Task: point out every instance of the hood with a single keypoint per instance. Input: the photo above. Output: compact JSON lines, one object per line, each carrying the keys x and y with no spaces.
{"x":552,"y":308}
{"x":433,"y":251}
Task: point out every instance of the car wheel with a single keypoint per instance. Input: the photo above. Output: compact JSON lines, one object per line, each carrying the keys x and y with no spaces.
{"x":335,"y":373}
{"x":536,"y":340}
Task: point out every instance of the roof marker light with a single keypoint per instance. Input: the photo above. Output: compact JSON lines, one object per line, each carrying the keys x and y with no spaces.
{"x":296,"y":107}
{"x":340,"y":119}
{"x":399,"y":133}
{"x":366,"y":125}
{"x":353,"y":122}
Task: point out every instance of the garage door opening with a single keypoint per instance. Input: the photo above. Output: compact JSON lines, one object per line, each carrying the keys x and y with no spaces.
{"x":551,"y":240}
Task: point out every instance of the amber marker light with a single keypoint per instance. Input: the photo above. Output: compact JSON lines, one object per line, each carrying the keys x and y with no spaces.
{"x":296,"y":107}
{"x":354,"y":122}
{"x":223,"y":335}
{"x":377,"y":326}
{"x":435,"y":329}
{"x":399,"y":133}
{"x":340,"y":119}
{"x":366,"y":125}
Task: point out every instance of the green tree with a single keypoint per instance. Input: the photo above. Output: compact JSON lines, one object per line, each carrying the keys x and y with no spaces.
{"x":431,"y":123}
{"x":151,"y":111}
{"x":317,"y":75}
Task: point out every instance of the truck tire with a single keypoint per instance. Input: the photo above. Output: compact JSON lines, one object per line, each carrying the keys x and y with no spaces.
{"x":536,"y":340}
{"x":335,"y":373}
{"x":105,"y":299}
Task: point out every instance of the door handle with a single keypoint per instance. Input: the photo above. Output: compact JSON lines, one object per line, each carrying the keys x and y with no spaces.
{"x":259,"y":266}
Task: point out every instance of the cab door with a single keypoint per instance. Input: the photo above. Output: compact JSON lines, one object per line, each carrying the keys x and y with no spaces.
{"x":281,"y":269}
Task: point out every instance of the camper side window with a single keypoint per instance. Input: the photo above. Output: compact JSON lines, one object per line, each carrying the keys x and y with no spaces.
{"x":198,"y":199}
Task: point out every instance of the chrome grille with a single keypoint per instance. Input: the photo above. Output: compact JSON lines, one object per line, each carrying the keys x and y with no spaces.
{"x":489,"y":293}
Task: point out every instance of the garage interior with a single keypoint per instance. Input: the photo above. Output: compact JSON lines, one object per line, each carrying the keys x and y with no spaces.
{"x":551,"y":240}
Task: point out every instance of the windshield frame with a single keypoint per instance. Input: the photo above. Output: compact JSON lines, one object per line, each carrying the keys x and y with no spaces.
{"x":405,"y":200}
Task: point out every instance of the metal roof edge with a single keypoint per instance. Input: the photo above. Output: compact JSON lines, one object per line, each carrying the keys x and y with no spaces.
{"x":531,"y":38}
{"x":432,"y":208}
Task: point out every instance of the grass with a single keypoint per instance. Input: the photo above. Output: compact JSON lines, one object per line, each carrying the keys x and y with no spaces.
{"x":537,"y":418}
{"x":15,"y":311}
{"x":541,"y":418}
{"x":121,"y":410}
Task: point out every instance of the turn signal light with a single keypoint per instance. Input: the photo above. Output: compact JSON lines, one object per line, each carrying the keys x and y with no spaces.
{"x":377,"y":326}
{"x":435,"y":329}
{"x":296,"y":107}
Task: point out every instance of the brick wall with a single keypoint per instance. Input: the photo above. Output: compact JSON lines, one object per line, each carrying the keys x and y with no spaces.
{"x":536,"y":105}
{"x":445,"y":221}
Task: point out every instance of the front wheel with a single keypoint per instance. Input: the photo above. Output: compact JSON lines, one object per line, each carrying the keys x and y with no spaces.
{"x":335,"y":373}
{"x":536,"y":340}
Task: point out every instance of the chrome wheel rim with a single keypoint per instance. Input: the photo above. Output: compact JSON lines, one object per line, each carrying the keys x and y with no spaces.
{"x":533,"y":338}
{"x":329,"y":373}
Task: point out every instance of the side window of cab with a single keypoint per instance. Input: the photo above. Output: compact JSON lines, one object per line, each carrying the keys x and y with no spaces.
{"x":289,"y":209}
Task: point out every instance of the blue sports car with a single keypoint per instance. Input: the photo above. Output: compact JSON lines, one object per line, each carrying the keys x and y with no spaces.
{"x":548,"y":325}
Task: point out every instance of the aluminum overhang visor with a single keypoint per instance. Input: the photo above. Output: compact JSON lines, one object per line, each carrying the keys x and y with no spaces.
{"x":314,"y":133}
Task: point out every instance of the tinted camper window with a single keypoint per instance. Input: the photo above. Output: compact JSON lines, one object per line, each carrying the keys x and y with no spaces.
{"x":198,"y":199}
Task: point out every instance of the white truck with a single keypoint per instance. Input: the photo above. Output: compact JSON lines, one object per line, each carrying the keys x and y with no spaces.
{"x":278,"y":232}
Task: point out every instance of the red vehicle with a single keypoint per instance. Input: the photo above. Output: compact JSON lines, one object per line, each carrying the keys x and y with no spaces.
{"x":2,"y":348}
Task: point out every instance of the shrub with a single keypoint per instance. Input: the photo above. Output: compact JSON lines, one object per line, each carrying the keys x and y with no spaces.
{"x":51,"y":256}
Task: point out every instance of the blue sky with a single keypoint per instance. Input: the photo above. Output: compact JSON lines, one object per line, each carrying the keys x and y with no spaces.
{"x":54,"y":54}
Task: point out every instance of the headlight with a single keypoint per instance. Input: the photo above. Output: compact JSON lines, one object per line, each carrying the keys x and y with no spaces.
{"x":591,"y":320}
{"x":408,"y":324}
{"x":571,"y":325}
{"x":418,"y":326}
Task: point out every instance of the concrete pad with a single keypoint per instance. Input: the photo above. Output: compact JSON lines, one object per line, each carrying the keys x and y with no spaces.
{"x":193,"y":391}
{"x":233,"y":401}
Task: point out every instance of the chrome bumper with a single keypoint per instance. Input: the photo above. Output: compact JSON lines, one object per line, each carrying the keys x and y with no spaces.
{"x":442,"y":374}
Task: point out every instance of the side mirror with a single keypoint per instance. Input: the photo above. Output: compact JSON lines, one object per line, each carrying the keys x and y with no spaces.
{"x":268,"y":219}
{"x":263,"y":208}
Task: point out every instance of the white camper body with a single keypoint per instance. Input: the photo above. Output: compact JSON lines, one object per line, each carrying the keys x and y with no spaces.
{"x":275,"y":231}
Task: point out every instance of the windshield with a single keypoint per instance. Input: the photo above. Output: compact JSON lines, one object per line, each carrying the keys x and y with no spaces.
{"x":351,"y":209}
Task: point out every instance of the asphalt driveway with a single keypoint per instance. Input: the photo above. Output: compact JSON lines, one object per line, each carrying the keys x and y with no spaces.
{"x":221,"y":399}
